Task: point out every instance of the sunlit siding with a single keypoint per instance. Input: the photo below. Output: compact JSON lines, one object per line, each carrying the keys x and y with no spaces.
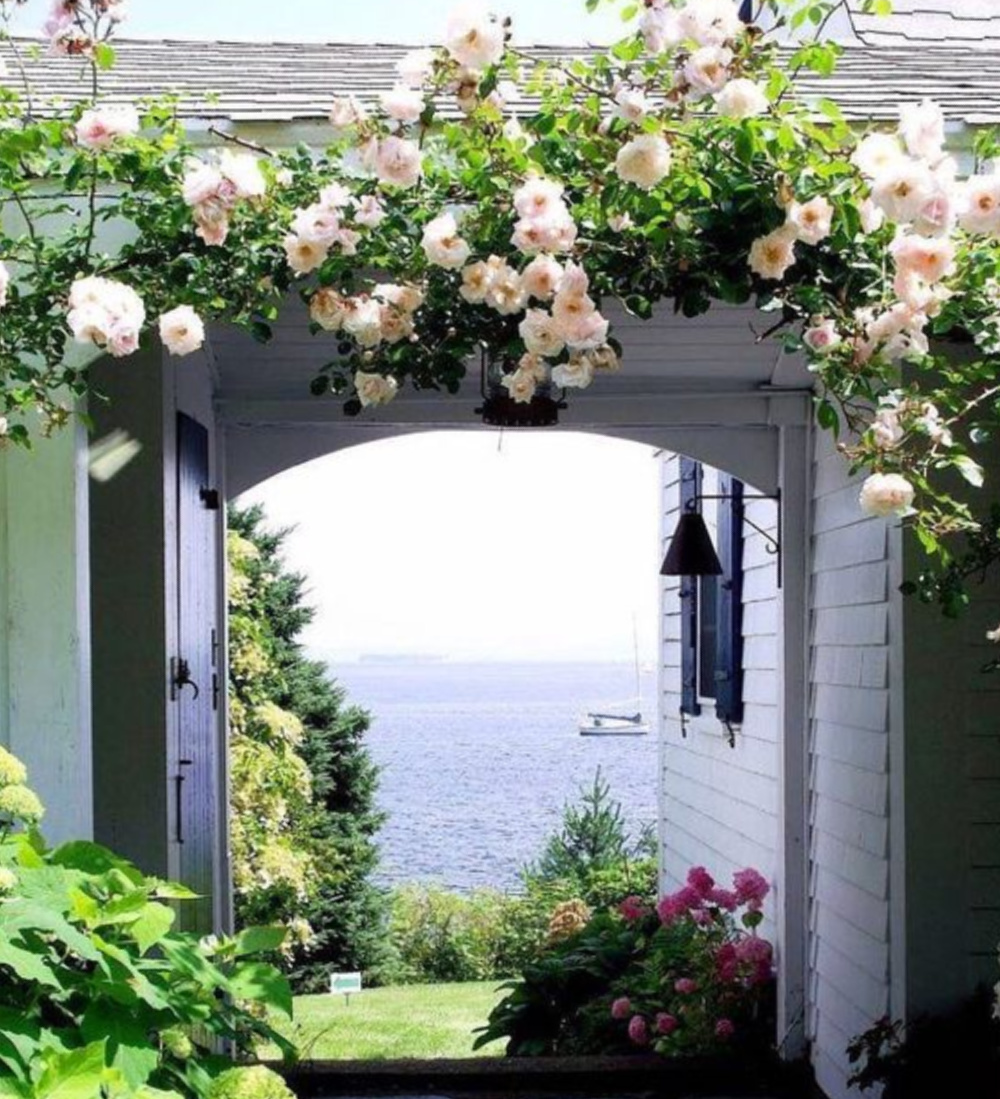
{"x":850,"y":714}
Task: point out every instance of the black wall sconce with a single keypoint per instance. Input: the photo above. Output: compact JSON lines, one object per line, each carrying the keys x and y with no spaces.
{"x":691,"y":551}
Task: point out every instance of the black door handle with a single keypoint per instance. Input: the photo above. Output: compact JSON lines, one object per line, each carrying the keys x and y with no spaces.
{"x":180,"y":677}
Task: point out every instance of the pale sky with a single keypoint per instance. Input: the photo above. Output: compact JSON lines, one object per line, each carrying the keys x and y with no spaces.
{"x":547,"y":21}
{"x":444,"y":544}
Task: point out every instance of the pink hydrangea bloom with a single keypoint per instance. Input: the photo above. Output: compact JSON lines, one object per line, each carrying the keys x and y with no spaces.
{"x":621,"y":1008}
{"x":670,"y":909}
{"x":751,"y":888}
{"x":724,"y":899}
{"x":727,"y":962}
{"x":757,"y":954}
{"x":725,"y":1029}
{"x":701,"y":916}
{"x":665,"y":1023}
{"x":632,"y":909}
{"x":686,"y":986}
{"x":701,"y":881}
{"x":689,"y":897}
{"x":638,"y":1031}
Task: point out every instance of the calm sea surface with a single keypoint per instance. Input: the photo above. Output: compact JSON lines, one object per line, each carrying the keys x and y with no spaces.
{"x":479,"y":759}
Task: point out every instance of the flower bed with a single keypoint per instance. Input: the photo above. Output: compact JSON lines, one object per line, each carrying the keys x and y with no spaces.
{"x":691,"y":977}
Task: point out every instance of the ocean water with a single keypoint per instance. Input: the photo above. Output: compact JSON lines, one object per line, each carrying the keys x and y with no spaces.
{"x":478,"y":761}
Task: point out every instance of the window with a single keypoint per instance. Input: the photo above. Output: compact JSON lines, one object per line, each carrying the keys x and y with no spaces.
{"x":712,"y":606}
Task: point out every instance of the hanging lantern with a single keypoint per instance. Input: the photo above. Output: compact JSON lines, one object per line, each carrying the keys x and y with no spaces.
{"x":500,"y":408}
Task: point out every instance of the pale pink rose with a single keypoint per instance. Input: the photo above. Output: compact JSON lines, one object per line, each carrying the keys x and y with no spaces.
{"x":574,"y":282}
{"x":711,"y":22}
{"x":243,"y":172}
{"x":304,"y":255}
{"x":521,"y":386}
{"x":182,"y":330}
{"x":374,"y":389}
{"x":876,"y":154}
{"x":573,"y":313}
{"x":903,"y":189}
{"x":886,"y":494}
{"x":921,"y":127}
{"x":403,"y":104}
{"x":397,"y":325}
{"x":202,"y":182}
{"x":327,"y":308}
{"x":821,"y":336}
{"x":631,"y":105}
{"x":99,"y":128}
{"x":477,"y":279}
{"x":620,"y":223}
{"x":980,"y":200}
{"x":106,"y":313}
{"x":317,"y":224}
{"x":872,"y":218}
{"x":773,"y":254}
{"x":621,"y":1008}
{"x":4,"y":284}
{"x":886,"y":430}
{"x":742,"y":98}
{"x":938,"y":215}
{"x":577,"y":373}
{"x":661,"y":29}
{"x":538,"y":198}
{"x":348,"y":240}
{"x":442,"y":244}
{"x":541,"y":277}
{"x":506,"y":293}
{"x":541,"y":334}
{"x":347,"y":112}
{"x":416,"y":66}
{"x":335,"y":196}
{"x":474,"y":37}
{"x":554,"y":232}
{"x":932,"y":258}
{"x":369,"y":212}
{"x":534,"y":365}
{"x":644,"y":161}
{"x":407,"y":297}
{"x":707,"y":69}
{"x":363,"y":321}
{"x":398,"y":161}
{"x":812,"y":220}
{"x":212,"y":222}
{"x":122,"y":340}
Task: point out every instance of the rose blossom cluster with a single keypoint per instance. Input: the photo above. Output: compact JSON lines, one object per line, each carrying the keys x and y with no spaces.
{"x":701,"y":899}
{"x":101,"y":127}
{"x":71,"y":24}
{"x":393,"y":159}
{"x":317,"y":229}
{"x":107,"y":314}
{"x":808,"y":222}
{"x":213,"y":191}
{"x":544,"y":221}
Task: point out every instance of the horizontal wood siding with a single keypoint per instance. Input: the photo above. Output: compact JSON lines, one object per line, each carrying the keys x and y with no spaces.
{"x":849,"y":918}
{"x":719,"y":804}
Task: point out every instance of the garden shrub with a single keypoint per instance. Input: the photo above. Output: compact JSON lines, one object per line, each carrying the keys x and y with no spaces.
{"x":690,"y":976}
{"x":99,"y":997}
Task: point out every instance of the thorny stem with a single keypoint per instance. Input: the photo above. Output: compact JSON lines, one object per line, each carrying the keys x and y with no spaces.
{"x":242,"y":142}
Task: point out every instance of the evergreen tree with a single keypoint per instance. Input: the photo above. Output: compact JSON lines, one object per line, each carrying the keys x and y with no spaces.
{"x":335,"y":824}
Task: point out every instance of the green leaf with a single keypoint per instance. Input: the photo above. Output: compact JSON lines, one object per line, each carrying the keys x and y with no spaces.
{"x":972,"y":471}
{"x":104,"y":56}
{"x":28,"y":966}
{"x":260,"y":940}
{"x":154,"y":922}
{"x":126,"y":1039}
{"x":263,"y":983}
{"x":78,"y":1074}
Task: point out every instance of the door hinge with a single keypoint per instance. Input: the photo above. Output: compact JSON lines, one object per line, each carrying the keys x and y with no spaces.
{"x":215,"y":690}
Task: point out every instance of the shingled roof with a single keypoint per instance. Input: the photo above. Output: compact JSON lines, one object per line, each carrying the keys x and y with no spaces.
{"x":259,"y":82}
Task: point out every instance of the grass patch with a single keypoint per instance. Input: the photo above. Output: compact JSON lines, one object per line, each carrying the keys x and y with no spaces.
{"x":423,"y":1022}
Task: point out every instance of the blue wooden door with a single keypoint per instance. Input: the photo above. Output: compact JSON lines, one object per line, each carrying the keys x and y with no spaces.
{"x":195,"y":687}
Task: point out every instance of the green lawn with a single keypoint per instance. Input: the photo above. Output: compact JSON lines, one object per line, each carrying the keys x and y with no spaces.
{"x":419,"y":1021}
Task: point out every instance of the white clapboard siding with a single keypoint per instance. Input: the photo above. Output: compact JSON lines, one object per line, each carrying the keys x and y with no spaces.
{"x":720,"y":804}
{"x":849,"y":879}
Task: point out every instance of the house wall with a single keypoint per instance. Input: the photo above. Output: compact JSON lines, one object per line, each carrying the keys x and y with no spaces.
{"x":854,"y":769}
{"x":719,"y":803}
{"x":45,"y":623}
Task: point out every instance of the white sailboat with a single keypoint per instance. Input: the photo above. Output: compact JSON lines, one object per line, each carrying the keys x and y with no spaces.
{"x":619,"y":719}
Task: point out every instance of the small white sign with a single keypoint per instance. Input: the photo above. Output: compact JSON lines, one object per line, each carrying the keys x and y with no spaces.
{"x":345,"y":984}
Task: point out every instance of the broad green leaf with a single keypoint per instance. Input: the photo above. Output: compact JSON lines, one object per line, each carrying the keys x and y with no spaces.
{"x":78,"y":1074}
{"x":154,"y":922}
{"x":27,"y":965}
{"x":260,"y":940}
{"x":264,"y":983}
{"x":971,"y":470}
{"x":127,"y":1039}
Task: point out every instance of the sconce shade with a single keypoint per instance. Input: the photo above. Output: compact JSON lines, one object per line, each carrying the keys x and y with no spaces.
{"x":691,"y":551}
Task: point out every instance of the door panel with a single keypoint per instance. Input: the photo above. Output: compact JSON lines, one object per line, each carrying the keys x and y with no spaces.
{"x":196,"y":778}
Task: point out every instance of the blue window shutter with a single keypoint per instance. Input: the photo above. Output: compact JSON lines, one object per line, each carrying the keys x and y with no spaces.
{"x":691,"y":479}
{"x":729,"y":659}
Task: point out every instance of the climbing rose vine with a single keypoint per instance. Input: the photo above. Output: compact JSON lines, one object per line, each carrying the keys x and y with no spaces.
{"x":678,"y":167}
